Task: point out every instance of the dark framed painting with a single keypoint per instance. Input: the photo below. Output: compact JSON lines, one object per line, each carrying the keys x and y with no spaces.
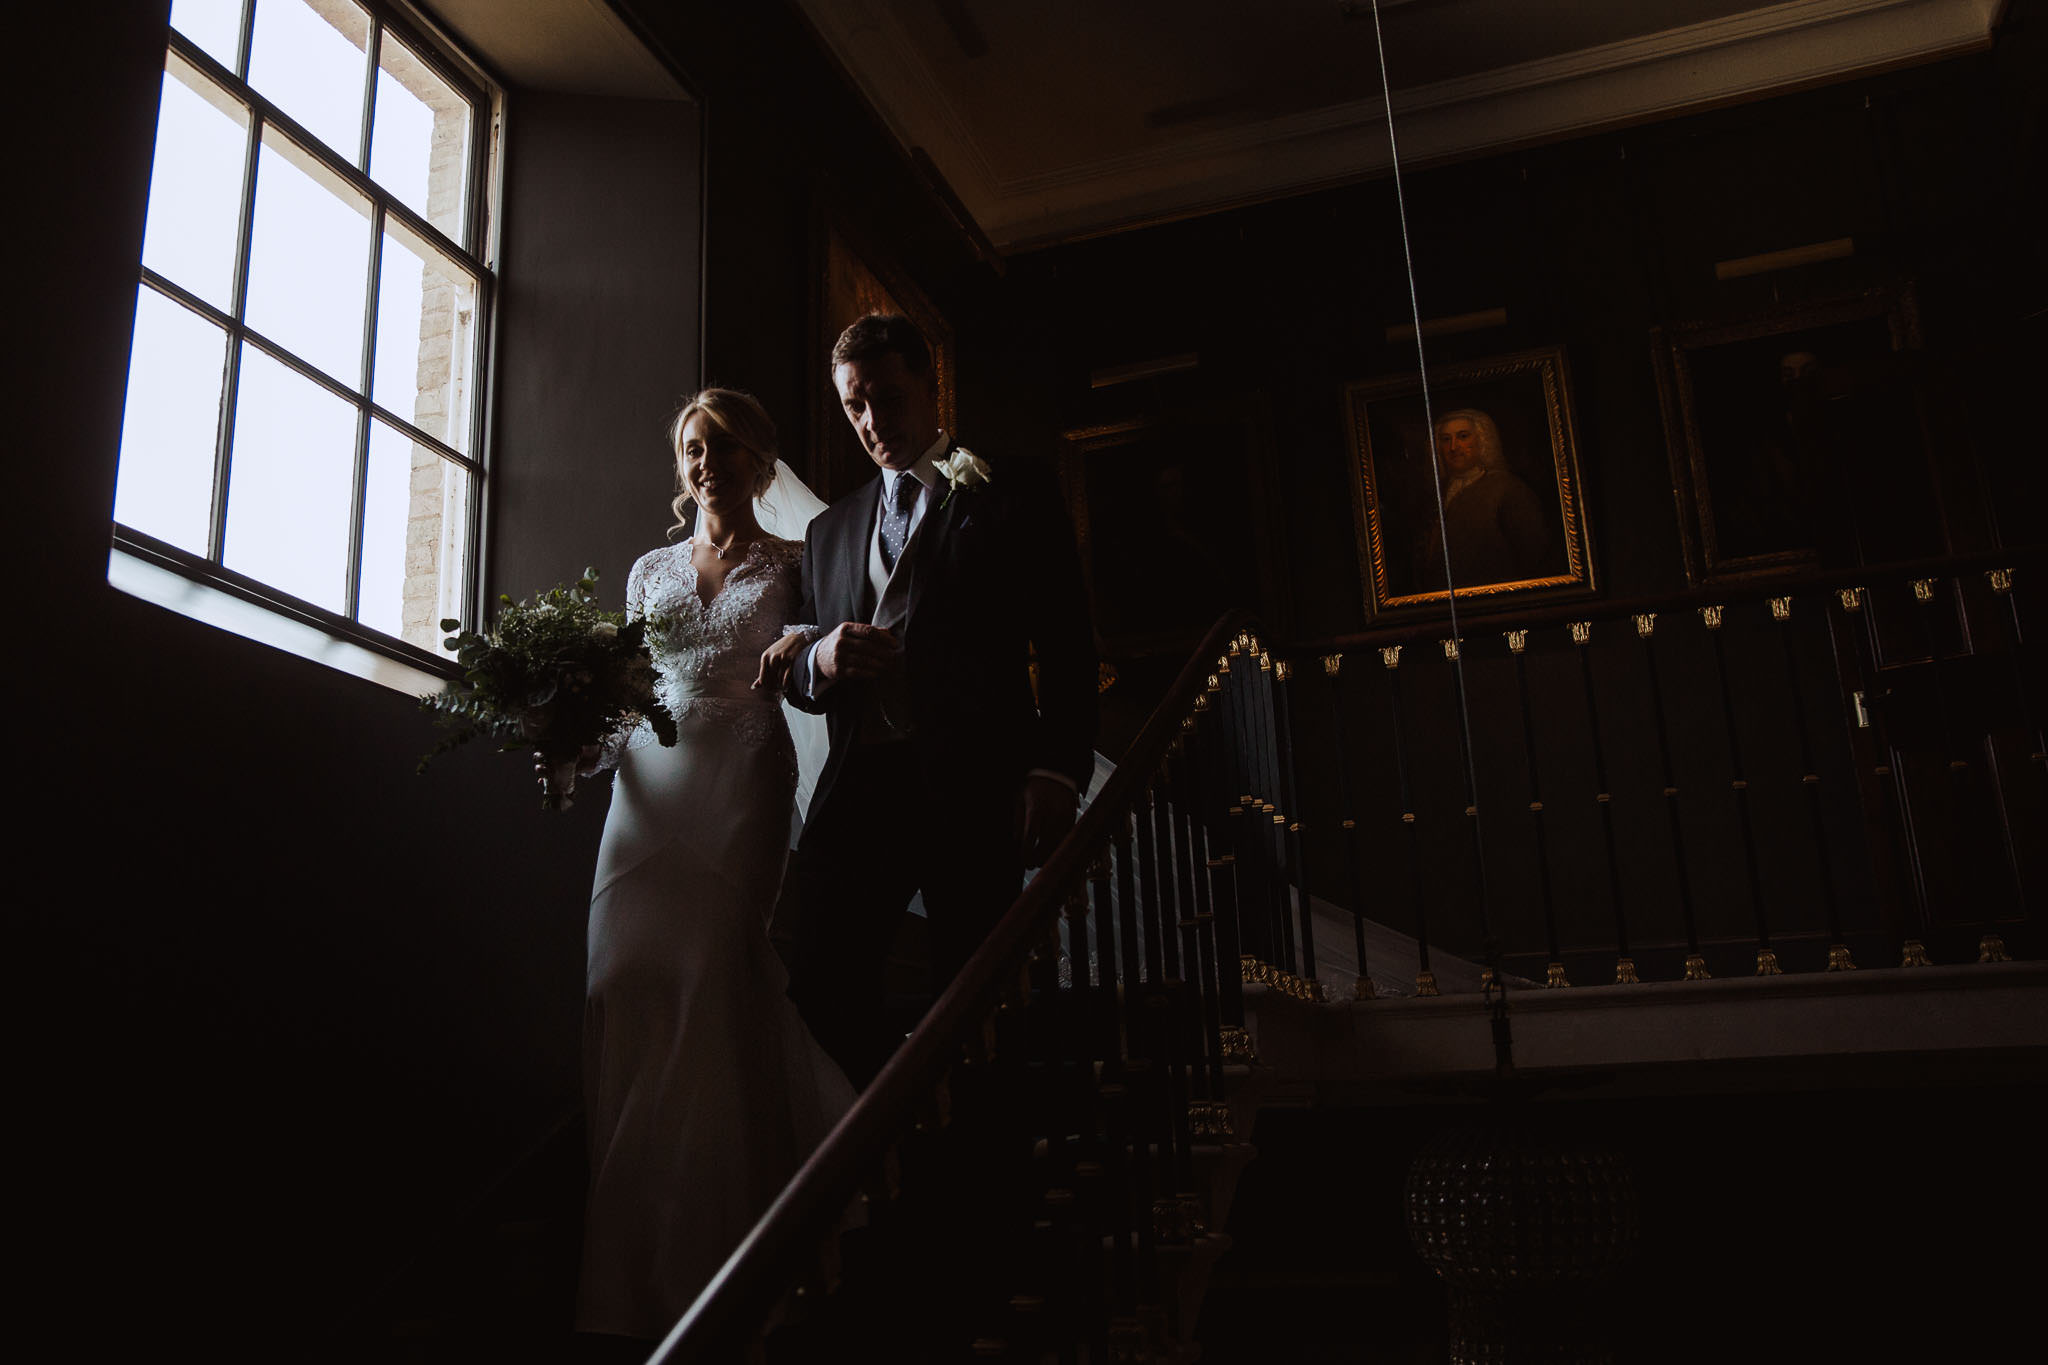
{"x":1473,"y":485}
{"x":850,"y":281}
{"x":1172,"y":521}
{"x":1778,"y":424}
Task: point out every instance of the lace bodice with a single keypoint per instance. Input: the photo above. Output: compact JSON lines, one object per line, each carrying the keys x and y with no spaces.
{"x":706,"y":656}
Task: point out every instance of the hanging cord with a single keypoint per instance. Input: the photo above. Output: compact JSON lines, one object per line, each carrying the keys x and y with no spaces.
{"x":1496,"y":987}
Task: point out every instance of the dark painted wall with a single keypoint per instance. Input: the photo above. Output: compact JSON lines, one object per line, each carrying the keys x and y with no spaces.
{"x":790,"y":145}
{"x":597,"y":336}
{"x":1588,"y":244}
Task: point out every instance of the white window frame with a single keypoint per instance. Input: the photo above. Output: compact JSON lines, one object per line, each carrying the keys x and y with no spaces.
{"x":202,"y":587}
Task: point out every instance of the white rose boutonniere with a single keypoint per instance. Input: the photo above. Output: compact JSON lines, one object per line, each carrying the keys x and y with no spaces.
{"x":962,"y":469}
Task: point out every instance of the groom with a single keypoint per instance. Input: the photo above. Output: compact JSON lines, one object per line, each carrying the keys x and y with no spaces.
{"x":929,"y":589}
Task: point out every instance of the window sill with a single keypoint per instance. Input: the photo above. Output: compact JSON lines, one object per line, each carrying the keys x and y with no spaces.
{"x":152,"y":582}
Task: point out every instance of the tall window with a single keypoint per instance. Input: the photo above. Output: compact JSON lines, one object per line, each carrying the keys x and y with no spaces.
{"x":304,"y":403}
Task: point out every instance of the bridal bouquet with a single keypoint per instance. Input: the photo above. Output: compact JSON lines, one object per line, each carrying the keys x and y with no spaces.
{"x":556,"y":673}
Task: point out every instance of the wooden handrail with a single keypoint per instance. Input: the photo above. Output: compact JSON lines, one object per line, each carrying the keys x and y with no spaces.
{"x":771,"y":1256}
{"x":1747,"y":590}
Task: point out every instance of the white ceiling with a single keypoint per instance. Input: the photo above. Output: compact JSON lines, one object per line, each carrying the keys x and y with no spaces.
{"x":1056,"y":119}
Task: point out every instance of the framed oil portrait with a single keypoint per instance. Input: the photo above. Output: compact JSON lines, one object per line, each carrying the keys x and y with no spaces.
{"x":1779,"y":426}
{"x":849,"y":283}
{"x":1483,"y":478}
{"x":1143,"y":495}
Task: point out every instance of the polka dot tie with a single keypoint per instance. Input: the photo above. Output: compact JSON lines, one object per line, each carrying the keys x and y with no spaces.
{"x":896,"y":522}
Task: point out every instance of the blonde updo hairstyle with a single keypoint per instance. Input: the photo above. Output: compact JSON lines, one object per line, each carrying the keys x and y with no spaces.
{"x":740,"y":416}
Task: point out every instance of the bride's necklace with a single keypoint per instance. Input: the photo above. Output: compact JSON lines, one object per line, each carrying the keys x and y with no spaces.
{"x":725,"y":551}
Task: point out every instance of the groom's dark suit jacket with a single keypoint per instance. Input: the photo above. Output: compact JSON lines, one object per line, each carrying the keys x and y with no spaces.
{"x":996,"y":574}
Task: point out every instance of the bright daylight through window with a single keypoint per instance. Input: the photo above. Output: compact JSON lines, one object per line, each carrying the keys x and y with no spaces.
{"x":303,"y":392}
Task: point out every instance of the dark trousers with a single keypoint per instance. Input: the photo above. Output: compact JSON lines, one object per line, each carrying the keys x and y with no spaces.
{"x":896,"y":822}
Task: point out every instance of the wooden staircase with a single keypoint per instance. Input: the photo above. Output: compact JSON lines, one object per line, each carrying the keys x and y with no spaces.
{"x":1045,"y":1170}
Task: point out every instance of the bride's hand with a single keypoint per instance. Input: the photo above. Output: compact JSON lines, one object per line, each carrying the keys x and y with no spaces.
{"x":586,"y":763}
{"x":779,"y":658}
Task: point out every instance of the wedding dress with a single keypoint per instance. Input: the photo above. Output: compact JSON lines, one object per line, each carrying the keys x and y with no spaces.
{"x":704,"y":1091}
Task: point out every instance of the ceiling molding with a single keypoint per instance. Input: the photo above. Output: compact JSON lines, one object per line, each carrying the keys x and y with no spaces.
{"x":1743,"y":56}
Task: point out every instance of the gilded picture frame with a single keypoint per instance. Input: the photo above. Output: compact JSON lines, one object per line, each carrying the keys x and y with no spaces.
{"x":1507,"y":512}
{"x":1770,"y":420}
{"x":1140,"y":493}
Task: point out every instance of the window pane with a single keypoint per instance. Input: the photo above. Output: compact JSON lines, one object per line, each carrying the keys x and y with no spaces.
{"x":309,"y":260}
{"x":291,"y":482}
{"x":419,"y":142}
{"x":164,"y":486}
{"x":195,"y":185}
{"x":415,"y":540}
{"x":215,"y":25}
{"x":308,"y":56}
{"x":426,"y":349}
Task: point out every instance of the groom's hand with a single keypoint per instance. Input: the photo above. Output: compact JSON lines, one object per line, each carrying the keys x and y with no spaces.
{"x":854,"y":650}
{"x":1045,"y":812}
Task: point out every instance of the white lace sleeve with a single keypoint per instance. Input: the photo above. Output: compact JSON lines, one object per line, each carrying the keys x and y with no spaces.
{"x":632,"y":732}
{"x":636,"y":588}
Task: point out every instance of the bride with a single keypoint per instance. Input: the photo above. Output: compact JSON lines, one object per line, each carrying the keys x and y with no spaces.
{"x":703,"y":1090}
